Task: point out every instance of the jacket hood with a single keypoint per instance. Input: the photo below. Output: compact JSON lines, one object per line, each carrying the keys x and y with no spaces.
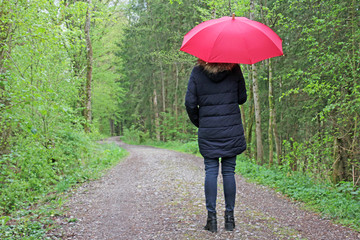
{"x":217,"y":77}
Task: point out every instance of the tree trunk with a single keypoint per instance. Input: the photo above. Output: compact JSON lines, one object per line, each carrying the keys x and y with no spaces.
{"x":162,"y":87}
{"x":271,"y":116}
{"x":89,"y":61}
{"x":259,"y":146}
{"x":250,"y":121}
{"x":340,"y":157}
{"x":277,"y":140}
{"x":273,"y":133}
{"x":112,"y":127}
{"x":242,"y":110}
{"x":176,"y":90}
{"x":163,"y":96}
{"x":156,"y":112}
{"x":230,"y":9}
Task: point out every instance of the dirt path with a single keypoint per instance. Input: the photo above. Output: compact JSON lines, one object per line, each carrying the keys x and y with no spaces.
{"x":158,"y":194}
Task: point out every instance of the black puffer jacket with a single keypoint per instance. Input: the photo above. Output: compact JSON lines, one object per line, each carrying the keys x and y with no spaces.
{"x":212,"y":103}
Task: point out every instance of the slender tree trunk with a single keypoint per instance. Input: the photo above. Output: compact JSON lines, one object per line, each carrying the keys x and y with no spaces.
{"x":163,"y":96}
{"x":259,"y":146}
{"x":89,"y":62}
{"x":353,"y":150}
{"x":162,"y":87}
{"x":112,"y":127}
{"x":213,"y":12}
{"x":250,"y":121}
{"x":271,"y":116}
{"x":340,"y":157}
{"x":156,"y":113}
{"x":249,"y":128}
{"x":277,"y":140}
{"x":242,"y":110}
{"x":273,"y":133}
{"x":176,"y":90}
{"x":230,"y":10}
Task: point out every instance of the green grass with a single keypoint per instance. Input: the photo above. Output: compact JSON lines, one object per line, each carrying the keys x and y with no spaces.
{"x":340,"y":203}
{"x":30,"y":201}
{"x":189,"y":147}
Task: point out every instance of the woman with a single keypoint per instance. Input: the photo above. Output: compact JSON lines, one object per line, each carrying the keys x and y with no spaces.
{"x":212,"y":100}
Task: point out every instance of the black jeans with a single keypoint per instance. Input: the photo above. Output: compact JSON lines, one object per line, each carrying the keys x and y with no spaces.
{"x":211,"y":174}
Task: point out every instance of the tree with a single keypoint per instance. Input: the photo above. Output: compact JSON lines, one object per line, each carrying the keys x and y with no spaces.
{"x":259,"y":145}
{"x":6,"y":34}
{"x":89,"y":67}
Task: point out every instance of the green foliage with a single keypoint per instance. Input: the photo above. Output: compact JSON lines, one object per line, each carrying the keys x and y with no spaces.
{"x":190,"y":147}
{"x":107,"y":91}
{"x":30,"y":170}
{"x":339,"y":202}
{"x":319,"y":108}
{"x":221,"y":8}
{"x":311,"y":157}
{"x":134,"y":136}
{"x":316,"y":89}
{"x":39,"y":179}
{"x":173,"y":131}
{"x":156,"y":73}
{"x":43,"y":149}
{"x":185,"y":147}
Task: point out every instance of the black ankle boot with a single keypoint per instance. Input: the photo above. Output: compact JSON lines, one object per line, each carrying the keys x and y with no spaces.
{"x":229,"y":221}
{"x":211,"y":224}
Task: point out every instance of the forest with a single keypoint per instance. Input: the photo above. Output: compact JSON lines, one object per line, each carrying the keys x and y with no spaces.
{"x":306,"y":113}
{"x":76,"y":71}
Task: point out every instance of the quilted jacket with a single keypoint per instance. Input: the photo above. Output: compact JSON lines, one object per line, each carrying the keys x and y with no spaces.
{"x":212,"y":103}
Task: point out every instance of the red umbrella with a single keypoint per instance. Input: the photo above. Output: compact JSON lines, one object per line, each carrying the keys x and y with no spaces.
{"x":232,"y":40}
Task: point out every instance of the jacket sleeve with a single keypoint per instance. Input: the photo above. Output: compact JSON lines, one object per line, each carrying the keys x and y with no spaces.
{"x":242,"y":96}
{"x":191,"y":101}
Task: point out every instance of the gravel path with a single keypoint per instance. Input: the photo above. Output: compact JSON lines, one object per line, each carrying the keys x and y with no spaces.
{"x":158,"y":194}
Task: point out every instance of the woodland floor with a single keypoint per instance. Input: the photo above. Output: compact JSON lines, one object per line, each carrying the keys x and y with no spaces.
{"x":158,"y":194}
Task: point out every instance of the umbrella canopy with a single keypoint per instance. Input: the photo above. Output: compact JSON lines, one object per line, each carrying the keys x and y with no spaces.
{"x":232,"y":40}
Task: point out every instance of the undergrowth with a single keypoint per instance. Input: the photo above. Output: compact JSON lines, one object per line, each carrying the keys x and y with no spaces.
{"x":340,"y":202}
{"x":34,"y":181}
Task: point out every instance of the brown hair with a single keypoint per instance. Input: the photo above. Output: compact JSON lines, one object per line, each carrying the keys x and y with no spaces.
{"x":215,"y":67}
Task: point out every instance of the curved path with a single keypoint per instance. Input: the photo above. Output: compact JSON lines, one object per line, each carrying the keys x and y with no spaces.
{"x":158,"y":194}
